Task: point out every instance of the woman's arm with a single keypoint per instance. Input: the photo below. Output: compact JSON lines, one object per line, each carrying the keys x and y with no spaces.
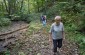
{"x":50,"y":33}
{"x":63,"y":31}
{"x":63,"y":34}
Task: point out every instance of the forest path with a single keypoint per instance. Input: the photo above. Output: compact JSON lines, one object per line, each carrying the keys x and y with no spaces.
{"x":37,"y":44}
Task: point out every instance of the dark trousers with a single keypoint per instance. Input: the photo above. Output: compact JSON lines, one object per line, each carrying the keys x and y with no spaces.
{"x":57,"y":43}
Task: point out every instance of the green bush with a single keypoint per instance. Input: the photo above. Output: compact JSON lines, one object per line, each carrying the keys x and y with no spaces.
{"x":5,"y":21}
{"x":72,"y":14}
{"x":33,"y":17}
{"x":56,"y":9}
{"x":19,"y":17}
{"x":25,"y":17}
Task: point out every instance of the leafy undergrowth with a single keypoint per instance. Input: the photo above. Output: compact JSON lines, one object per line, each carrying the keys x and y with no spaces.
{"x":4,"y":22}
{"x":76,"y":37}
{"x":34,"y":27}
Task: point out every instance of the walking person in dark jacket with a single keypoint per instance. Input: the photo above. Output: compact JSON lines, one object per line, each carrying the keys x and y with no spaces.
{"x":43,"y":19}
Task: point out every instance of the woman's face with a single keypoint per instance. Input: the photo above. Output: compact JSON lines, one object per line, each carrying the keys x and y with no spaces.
{"x":58,"y":21}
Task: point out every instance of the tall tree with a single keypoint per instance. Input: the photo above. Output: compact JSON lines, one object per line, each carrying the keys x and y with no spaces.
{"x":28,"y":8}
{"x":5,"y":5}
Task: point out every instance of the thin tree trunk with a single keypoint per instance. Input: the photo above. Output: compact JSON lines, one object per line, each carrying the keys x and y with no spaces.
{"x":28,"y":8}
{"x":42,"y":5}
{"x":21,"y":5}
{"x":2,"y":6}
{"x":5,"y":5}
{"x":9,"y":7}
{"x":14,"y":6}
{"x":45,"y":6}
{"x":2,"y":9}
{"x":37,"y":6}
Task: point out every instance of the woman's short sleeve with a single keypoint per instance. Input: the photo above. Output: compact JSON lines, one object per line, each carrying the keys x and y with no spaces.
{"x":51,"y":29}
{"x":62,"y":27}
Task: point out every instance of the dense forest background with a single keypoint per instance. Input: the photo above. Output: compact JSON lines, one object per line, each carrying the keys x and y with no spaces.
{"x":28,"y":10}
{"x":72,"y":12}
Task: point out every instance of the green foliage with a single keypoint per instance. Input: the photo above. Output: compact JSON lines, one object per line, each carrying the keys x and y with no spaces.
{"x":5,"y":21}
{"x":81,"y":43}
{"x":25,"y":17}
{"x":19,"y":17}
{"x":21,"y":53}
{"x":34,"y":26}
{"x":15,"y":17}
{"x":56,"y":9}
{"x":77,"y":37}
{"x":34,"y":16}
{"x":72,"y":14}
{"x":7,"y":52}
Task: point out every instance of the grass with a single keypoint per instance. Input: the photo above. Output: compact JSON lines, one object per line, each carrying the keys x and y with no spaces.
{"x":34,"y":27}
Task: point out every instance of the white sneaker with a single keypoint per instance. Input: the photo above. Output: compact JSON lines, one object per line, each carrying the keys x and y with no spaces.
{"x":58,"y":51}
{"x":54,"y":53}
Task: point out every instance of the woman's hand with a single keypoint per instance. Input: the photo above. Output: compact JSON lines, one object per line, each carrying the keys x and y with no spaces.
{"x":63,"y":38}
{"x":50,"y":43}
{"x":50,"y":40}
{"x":63,"y":35}
{"x":50,"y":37}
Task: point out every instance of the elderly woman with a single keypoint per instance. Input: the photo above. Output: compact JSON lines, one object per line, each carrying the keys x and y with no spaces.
{"x":56,"y":34}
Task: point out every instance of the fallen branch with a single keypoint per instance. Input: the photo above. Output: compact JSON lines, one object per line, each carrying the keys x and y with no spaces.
{"x":14,"y":31}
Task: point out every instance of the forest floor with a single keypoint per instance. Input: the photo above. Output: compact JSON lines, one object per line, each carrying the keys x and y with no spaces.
{"x":36,"y":42}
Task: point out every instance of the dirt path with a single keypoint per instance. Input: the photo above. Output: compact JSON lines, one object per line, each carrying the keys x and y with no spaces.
{"x":37,"y":44}
{"x":11,"y":34}
{"x":15,"y":26}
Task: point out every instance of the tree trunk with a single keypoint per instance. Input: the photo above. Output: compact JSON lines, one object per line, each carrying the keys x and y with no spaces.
{"x":5,"y":5}
{"x":46,"y":6}
{"x":21,"y":6}
{"x":14,"y":6}
{"x":28,"y":8}
{"x":37,"y":6}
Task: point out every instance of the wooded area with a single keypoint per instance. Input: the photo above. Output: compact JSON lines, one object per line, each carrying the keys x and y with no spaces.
{"x":71,"y":11}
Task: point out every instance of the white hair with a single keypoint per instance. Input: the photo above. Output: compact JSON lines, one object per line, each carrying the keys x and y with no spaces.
{"x":57,"y":17}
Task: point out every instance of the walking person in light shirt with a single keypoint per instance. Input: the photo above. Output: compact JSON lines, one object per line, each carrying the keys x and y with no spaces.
{"x":56,"y":34}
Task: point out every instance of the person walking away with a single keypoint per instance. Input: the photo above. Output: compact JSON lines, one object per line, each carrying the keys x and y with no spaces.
{"x":43,"y":18}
